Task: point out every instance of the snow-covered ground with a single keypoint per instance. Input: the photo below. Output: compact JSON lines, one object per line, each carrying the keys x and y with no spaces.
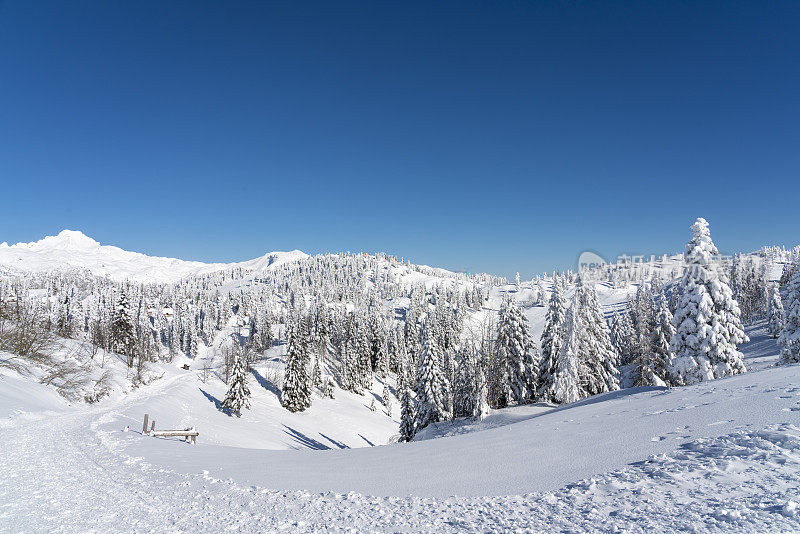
{"x":718,"y":456}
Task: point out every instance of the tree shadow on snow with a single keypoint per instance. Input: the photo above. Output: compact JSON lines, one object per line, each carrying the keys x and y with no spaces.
{"x":264,"y":383}
{"x":217,"y":403}
{"x":368,"y":441}
{"x":337,"y":443}
{"x":306,"y":441}
{"x":611,"y":395}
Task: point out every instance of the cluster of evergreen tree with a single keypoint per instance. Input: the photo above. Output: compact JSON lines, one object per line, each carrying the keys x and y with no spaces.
{"x":700,"y":342}
{"x":642,"y":332}
{"x":748,"y":281}
{"x":331,"y":312}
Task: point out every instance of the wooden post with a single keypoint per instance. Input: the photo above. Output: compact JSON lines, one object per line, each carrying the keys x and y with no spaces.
{"x":153,"y":425}
{"x":144,"y":427}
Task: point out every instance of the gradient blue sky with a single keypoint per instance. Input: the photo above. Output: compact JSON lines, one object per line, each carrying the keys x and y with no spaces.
{"x":488,"y":136}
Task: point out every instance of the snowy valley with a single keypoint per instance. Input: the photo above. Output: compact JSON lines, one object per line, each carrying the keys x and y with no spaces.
{"x":359,"y":392}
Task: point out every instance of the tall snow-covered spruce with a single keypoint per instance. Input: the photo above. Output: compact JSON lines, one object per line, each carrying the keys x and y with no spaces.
{"x":122,"y":329}
{"x":651,"y":366}
{"x":515,"y":351}
{"x":598,"y":356}
{"x":469,"y":387}
{"x":296,"y":394}
{"x":431,"y":405}
{"x":586,"y":363}
{"x":790,"y":335}
{"x":406,"y":415}
{"x":775,"y":313}
{"x":707,"y":320}
{"x":623,"y":336}
{"x":551,"y":340}
{"x":238,"y":396}
{"x":565,"y":385}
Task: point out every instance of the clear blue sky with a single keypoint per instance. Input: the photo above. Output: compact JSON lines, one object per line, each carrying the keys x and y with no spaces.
{"x":489,"y":136}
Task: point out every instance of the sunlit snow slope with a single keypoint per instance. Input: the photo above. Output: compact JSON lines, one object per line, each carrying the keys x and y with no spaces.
{"x":723,"y":456}
{"x":73,"y":249}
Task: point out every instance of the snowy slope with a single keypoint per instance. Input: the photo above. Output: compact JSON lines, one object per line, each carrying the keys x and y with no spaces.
{"x":722,"y":456}
{"x":343,"y":422}
{"x":23,"y":398}
{"x":587,"y":438}
{"x":73,"y":249}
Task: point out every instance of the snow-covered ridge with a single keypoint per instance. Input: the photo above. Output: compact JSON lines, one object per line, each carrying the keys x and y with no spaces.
{"x":71,"y":249}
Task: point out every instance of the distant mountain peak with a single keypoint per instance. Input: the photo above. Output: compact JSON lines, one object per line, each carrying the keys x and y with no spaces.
{"x":74,"y":249}
{"x":65,"y":240}
{"x":76,"y":238}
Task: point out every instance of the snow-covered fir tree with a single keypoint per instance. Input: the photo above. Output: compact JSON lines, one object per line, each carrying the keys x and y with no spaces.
{"x":122,"y":329}
{"x":643,"y":316}
{"x":316,"y":373}
{"x":431,"y":391}
{"x":386,"y":399}
{"x":464,"y":383}
{"x":586,"y":363}
{"x":651,"y":368}
{"x":598,"y":357}
{"x":514,"y":348}
{"x":789,"y":271}
{"x":708,"y":325}
{"x":551,"y":340}
{"x":775,"y":313}
{"x":296,"y":393}
{"x":624,"y":337}
{"x":238,"y":396}
{"x":406,"y":415}
{"x":480,"y":406}
{"x":790,"y":335}
{"x":565,"y":387}
{"x":363,"y":349}
{"x":194,"y":343}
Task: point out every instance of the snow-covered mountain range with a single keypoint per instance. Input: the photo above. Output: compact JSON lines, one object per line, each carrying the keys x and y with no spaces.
{"x":73,"y":249}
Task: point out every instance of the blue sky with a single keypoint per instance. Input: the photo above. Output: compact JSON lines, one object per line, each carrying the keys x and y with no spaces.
{"x":488,"y":136}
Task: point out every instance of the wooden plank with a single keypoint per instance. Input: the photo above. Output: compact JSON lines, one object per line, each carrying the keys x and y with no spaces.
{"x":175,"y":433}
{"x":144,"y":427}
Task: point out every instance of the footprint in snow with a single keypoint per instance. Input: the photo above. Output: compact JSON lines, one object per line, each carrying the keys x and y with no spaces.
{"x":715,"y":423}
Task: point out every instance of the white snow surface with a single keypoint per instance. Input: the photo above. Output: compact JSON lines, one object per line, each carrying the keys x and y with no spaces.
{"x":721,"y":456}
{"x":73,"y":249}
